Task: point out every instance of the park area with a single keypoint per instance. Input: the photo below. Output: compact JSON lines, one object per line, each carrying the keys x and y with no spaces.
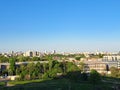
{"x":55,"y":84}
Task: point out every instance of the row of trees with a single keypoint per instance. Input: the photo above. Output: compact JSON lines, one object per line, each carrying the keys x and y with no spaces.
{"x":4,"y":59}
{"x":30,"y":71}
{"x":53,"y":69}
{"x":45,"y":57}
{"x":21,"y":58}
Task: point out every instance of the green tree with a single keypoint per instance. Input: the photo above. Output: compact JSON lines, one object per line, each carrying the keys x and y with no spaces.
{"x":70,"y":67}
{"x":74,"y":76}
{"x":84,"y":76}
{"x":45,"y":67}
{"x":82,"y":66}
{"x":24,"y":72}
{"x":72,"y":71}
{"x":101,"y":55}
{"x":52,"y":63}
{"x":78,"y":58}
{"x":39,"y":67}
{"x":52,"y":73}
{"x":55,"y":69}
{"x":45,"y":75}
{"x":12,"y":66}
{"x":32,"y":70}
{"x":94,"y":77}
{"x":114,"y":72}
{"x":17,"y":71}
{"x":36,"y":58}
{"x":3,"y":59}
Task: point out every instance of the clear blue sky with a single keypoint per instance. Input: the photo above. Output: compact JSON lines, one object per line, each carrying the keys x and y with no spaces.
{"x":62,"y":25}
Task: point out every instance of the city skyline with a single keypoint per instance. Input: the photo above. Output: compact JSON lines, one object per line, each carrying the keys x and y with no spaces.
{"x":64,"y":26}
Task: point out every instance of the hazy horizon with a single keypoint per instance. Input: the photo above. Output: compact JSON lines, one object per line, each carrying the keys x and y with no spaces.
{"x":61,"y":25}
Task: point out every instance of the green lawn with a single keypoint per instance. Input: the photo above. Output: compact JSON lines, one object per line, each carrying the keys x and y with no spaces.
{"x":24,"y":82}
{"x":59,"y":84}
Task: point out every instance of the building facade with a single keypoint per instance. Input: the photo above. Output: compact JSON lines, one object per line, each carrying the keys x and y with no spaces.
{"x":96,"y":65}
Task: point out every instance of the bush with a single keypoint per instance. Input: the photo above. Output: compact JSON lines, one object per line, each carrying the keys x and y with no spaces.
{"x":84,"y":76}
{"x":74,"y":76}
{"x":45,"y":75}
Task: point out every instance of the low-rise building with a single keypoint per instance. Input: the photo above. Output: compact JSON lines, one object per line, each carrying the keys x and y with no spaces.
{"x":114,"y":57}
{"x":112,"y":60}
{"x":96,"y":65}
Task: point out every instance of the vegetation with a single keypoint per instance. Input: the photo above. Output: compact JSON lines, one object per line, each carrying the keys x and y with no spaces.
{"x":47,"y":57}
{"x":94,"y":77}
{"x":78,"y":57}
{"x":55,"y":84}
{"x":12,"y":66}
{"x":32,"y":71}
{"x":3,"y":59}
{"x":96,"y":56}
{"x":81,"y":66}
{"x":55,"y":75}
{"x":115,"y":72}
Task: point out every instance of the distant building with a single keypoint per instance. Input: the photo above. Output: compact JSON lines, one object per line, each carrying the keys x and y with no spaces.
{"x":96,"y":65}
{"x":112,"y":60}
{"x":35,"y":53}
{"x":114,"y":57}
{"x":28,"y":53}
{"x":112,"y":64}
{"x":54,"y":52}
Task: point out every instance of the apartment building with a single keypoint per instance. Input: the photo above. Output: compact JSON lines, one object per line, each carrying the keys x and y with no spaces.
{"x":96,"y":65}
{"x":114,"y":57}
{"x":112,"y":60}
{"x":28,"y":53}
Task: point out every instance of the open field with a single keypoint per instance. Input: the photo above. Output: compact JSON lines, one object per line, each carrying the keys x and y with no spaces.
{"x":59,"y":84}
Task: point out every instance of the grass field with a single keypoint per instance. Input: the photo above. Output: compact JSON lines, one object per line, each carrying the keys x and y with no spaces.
{"x":59,"y":84}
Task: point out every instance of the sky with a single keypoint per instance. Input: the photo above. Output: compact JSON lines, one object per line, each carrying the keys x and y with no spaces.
{"x":61,"y":25}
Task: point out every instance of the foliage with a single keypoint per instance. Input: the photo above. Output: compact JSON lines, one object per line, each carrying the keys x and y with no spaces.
{"x":94,"y":77}
{"x":84,"y":77}
{"x":36,"y":59}
{"x":12,"y":66}
{"x":45,"y":75}
{"x":4,"y":72}
{"x":54,"y":68}
{"x":52,"y":63}
{"x":71,"y":67}
{"x":115,"y":72}
{"x":4,"y":59}
{"x":45,"y":67}
{"x":59,"y":84}
{"x":74,"y":76}
{"x":101,"y":55}
{"x":78,"y":58}
{"x":82,"y":66}
{"x":17,"y":71}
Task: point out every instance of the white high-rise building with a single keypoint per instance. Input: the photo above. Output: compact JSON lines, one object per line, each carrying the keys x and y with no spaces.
{"x":28,"y":53}
{"x":35,"y":53}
